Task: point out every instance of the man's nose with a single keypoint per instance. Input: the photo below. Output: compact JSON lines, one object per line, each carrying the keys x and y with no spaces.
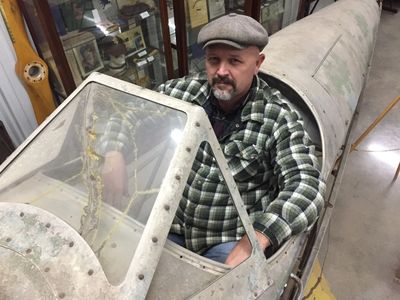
{"x":223,"y":70}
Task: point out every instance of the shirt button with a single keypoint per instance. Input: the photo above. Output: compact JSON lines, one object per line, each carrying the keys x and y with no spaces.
{"x":253,"y":156}
{"x":237,"y":125}
{"x":199,"y":182}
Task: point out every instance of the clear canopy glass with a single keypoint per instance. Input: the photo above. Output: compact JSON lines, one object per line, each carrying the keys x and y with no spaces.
{"x":62,"y":169}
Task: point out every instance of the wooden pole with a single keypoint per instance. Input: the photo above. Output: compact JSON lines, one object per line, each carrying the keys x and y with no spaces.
{"x":394,"y":179}
{"x":377,"y":120}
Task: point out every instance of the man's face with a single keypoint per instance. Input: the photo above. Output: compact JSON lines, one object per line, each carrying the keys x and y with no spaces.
{"x":230,"y":71}
{"x":89,"y":57}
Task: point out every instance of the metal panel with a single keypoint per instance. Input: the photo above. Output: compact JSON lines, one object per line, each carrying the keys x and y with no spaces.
{"x":326,"y":63}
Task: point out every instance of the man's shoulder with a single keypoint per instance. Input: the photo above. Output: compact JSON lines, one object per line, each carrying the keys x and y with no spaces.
{"x":266,"y":95}
{"x":271,"y":101}
{"x":185,"y":87}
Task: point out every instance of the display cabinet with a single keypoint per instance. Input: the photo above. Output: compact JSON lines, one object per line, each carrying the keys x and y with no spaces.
{"x":127,"y":39}
{"x":141,"y":41}
{"x":186,"y":18}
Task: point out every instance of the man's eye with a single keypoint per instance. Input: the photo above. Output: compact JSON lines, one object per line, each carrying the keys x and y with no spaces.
{"x":234,"y":61}
{"x":212,"y":60}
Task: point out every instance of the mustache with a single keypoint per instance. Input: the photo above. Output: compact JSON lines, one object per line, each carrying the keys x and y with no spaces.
{"x":224,"y":80}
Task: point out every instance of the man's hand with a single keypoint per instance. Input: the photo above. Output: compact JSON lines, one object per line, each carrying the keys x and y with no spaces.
{"x":114,"y":178}
{"x":243,"y":249}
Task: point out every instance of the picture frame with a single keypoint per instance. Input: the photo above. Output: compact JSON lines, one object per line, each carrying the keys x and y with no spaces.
{"x":88,"y":58}
{"x":198,"y":12}
{"x":272,"y":16}
{"x":122,"y":3}
{"x":133,"y":40}
{"x":216,"y":8}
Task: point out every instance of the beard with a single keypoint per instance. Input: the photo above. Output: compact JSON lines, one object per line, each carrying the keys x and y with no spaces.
{"x":223,"y":95}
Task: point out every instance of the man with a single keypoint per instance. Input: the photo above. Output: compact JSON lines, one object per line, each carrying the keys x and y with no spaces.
{"x":269,"y":154}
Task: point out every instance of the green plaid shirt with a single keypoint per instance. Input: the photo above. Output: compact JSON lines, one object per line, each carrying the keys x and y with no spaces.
{"x":271,"y":159}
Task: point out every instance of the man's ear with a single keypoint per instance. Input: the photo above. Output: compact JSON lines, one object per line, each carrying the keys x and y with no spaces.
{"x":260,"y":60}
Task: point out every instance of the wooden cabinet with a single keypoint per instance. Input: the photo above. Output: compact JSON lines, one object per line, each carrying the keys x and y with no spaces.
{"x":123,"y":38}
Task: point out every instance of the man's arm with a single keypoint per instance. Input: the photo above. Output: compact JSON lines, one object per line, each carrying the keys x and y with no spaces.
{"x":300,"y":197}
{"x":299,"y":200}
{"x":243,"y":249}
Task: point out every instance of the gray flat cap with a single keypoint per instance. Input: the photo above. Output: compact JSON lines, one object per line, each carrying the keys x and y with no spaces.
{"x":238,"y":31}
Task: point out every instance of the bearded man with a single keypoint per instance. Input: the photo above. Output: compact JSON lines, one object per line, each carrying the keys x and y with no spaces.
{"x":267,"y":149}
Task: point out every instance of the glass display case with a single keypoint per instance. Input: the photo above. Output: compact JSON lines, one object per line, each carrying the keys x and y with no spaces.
{"x":188,"y":17}
{"x":121,"y":38}
{"x":141,"y":41}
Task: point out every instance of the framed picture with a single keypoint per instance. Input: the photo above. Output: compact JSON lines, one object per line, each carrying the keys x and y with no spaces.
{"x":88,"y":58}
{"x":198,"y":12}
{"x":77,"y":14}
{"x":122,"y":3}
{"x":133,"y":39}
{"x":216,"y":8}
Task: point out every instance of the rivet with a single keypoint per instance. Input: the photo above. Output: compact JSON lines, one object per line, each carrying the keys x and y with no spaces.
{"x":177,"y":177}
{"x":71,"y":244}
{"x":255,"y":294}
{"x":90,"y":272}
{"x":166,"y":207}
{"x":188,"y":149}
{"x":61,"y":295}
{"x":154,"y":239}
{"x":21,"y":214}
{"x":8,"y":240}
{"x":47,"y":269}
{"x":48,"y":225}
{"x":28,"y":251}
{"x":197,"y":124}
{"x":141,"y":276}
